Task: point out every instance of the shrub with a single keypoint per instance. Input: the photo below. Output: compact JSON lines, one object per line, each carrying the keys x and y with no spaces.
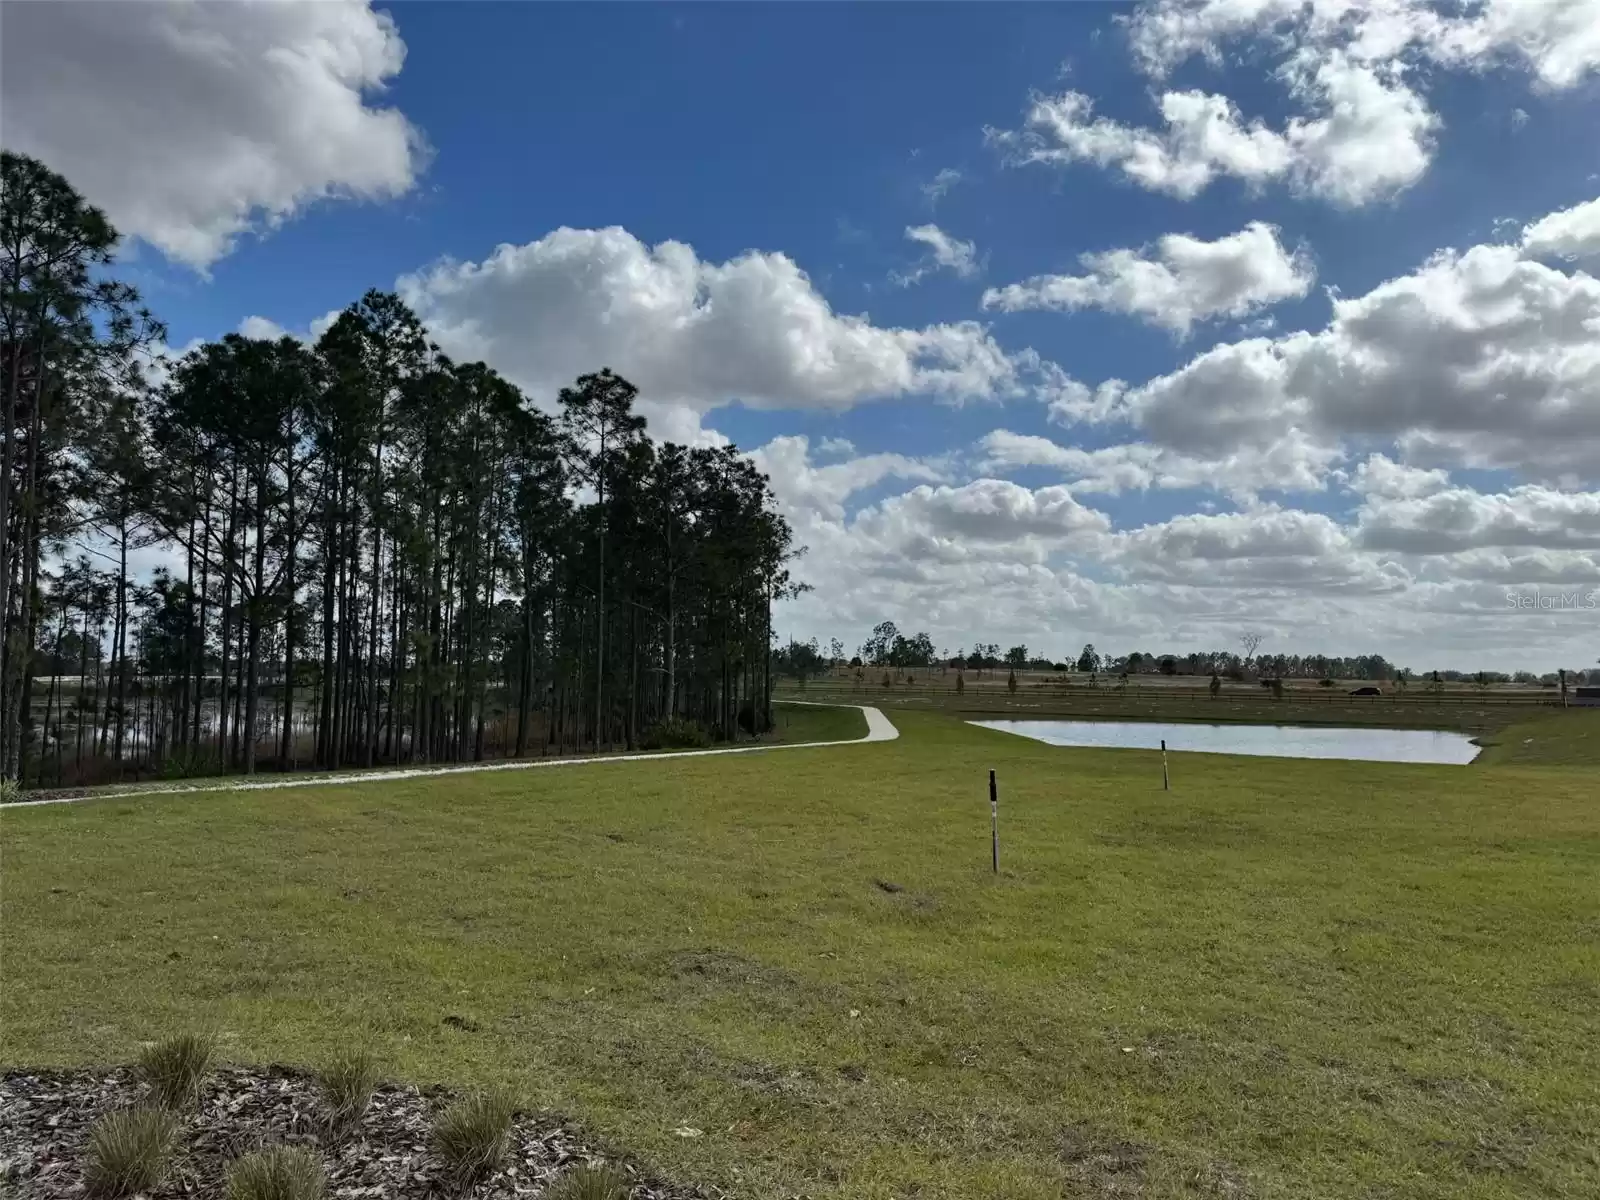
{"x":281,"y":1173}
{"x":676,"y":733}
{"x":589,"y":1183}
{"x":190,"y":763}
{"x":346,"y":1084}
{"x":175,"y":1068}
{"x":129,"y":1151}
{"x":747,"y":718}
{"x":10,"y":791}
{"x":470,"y":1136}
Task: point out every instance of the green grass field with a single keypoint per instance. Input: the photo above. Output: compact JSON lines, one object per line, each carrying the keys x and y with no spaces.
{"x":1469,"y":711}
{"x":1281,"y":979}
{"x":1569,"y":737}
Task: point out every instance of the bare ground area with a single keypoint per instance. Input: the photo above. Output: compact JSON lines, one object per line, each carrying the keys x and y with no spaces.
{"x":45,"y":1118}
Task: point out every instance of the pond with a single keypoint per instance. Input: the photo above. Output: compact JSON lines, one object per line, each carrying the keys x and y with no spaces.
{"x":1271,"y":741}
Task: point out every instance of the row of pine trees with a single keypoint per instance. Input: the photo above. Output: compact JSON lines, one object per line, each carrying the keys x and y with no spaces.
{"x":367,"y":553}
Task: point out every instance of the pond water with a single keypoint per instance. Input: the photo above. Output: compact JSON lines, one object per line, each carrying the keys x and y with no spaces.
{"x":1271,"y":741}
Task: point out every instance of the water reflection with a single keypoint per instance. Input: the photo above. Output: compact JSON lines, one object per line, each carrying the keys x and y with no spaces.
{"x":1271,"y":741}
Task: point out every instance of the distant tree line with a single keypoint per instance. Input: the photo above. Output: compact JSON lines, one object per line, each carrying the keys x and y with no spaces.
{"x":371,"y":552}
{"x":889,"y":647}
{"x":1228,"y":664}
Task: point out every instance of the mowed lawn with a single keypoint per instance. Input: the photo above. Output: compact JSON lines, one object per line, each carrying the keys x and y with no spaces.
{"x":1279,"y":979}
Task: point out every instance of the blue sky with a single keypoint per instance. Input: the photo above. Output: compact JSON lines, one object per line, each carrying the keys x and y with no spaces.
{"x":794,"y":148}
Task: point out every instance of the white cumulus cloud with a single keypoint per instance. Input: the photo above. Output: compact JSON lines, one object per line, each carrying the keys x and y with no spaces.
{"x":1185,"y":279}
{"x":692,"y":333}
{"x":1455,"y":519}
{"x":1293,"y":464}
{"x":1364,"y":132}
{"x":1368,"y":137}
{"x":807,"y":490}
{"x":1572,"y":233}
{"x":1557,"y":40}
{"x":1381,"y":476}
{"x":1205,"y":136}
{"x":1479,"y":358}
{"x":192,"y":123}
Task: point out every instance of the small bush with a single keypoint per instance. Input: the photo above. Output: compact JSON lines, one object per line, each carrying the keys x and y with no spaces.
{"x":675,"y":733}
{"x":129,"y":1151}
{"x":281,"y":1173}
{"x":175,"y":1068}
{"x":589,"y":1183}
{"x":10,"y":791}
{"x":470,"y":1136}
{"x":346,"y":1085}
{"x":748,"y":719}
{"x":190,"y":763}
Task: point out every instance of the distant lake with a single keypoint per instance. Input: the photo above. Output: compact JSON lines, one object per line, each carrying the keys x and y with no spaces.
{"x":1270,"y":741}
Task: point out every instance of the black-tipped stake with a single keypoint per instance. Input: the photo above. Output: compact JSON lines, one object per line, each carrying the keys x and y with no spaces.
{"x":1166,"y":780}
{"x":994,"y":822}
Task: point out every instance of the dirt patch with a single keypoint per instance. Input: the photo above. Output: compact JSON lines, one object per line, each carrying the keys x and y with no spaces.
{"x":1100,"y":1165}
{"x":726,"y":971}
{"x":1499,"y":1151}
{"x":45,"y":1118}
{"x":1220,"y":1179}
{"x":906,"y":903}
{"x":793,"y":1083}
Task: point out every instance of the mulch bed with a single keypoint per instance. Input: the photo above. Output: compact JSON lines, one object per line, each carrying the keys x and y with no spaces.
{"x":45,"y":1118}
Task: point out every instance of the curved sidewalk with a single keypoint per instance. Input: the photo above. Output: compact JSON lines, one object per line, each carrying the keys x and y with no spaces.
{"x":879,"y":729}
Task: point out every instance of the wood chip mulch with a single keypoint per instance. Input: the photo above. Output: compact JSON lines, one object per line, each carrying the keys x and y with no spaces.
{"x":45,"y":1118}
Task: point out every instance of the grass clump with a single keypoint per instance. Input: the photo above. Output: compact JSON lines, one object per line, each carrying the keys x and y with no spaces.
{"x":346,"y":1085}
{"x":470,"y":1136}
{"x":590,"y":1183}
{"x":281,"y":1173}
{"x":175,"y":1068}
{"x":129,"y":1151}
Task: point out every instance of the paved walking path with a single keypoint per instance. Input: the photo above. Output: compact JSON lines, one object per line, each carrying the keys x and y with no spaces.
{"x":879,"y":729}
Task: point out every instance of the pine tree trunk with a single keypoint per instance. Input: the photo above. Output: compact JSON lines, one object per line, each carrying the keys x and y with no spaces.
{"x":395,"y":735}
{"x":291,"y":585}
{"x":200,"y":624}
{"x":254,"y":605}
{"x":225,"y":616}
{"x":120,"y":647}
